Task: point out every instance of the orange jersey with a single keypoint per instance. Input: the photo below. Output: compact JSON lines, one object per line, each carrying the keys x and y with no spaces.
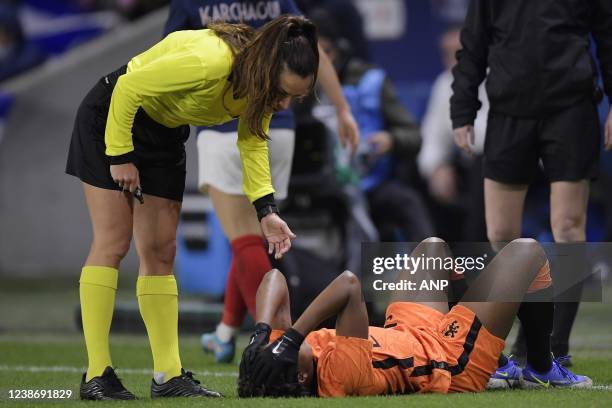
{"x":419,"y":350}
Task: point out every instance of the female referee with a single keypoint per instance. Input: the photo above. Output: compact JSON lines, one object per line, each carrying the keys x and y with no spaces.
{"x":220,"y":173}
{"x":129,"y":138}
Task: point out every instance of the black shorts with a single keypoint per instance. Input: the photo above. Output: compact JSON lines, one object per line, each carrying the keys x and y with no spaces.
{"x":567,"y":142}
{"x":160,"y":151}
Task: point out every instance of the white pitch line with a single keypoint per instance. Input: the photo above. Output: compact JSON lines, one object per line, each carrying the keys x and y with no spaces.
{"x":66,"y":369}
{"x":143,"y":371}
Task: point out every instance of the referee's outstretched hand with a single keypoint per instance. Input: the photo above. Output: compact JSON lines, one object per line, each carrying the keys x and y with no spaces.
{"x":126,"y":176}
{"x":464,"y":138}
{"x":277,"y":234}
{"x":608,"y":132}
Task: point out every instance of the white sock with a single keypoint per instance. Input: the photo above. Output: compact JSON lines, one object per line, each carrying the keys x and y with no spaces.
{"x":225,"y":332}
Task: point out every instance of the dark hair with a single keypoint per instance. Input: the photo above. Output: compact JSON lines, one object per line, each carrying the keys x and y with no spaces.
{"x":237,"y":36}
{"x":247,"y":389}
{"x":289,"y":41}
{"x":288,"y":385}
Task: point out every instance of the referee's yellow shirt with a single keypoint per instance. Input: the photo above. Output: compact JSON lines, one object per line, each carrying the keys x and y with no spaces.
{"x":181,"y":80}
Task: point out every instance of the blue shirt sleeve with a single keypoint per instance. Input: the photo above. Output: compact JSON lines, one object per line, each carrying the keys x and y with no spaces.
{"x":178,"y":18}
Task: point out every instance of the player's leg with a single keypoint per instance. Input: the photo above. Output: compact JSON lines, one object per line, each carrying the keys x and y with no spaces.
{"x":504,"y":207}
{"x":110,"y":213}
{"x":273,"y":303}
{"x":570,"y":146}
{"x":221,"y":175}
{"x":503,"y":211}
{"x":429,"y":248}
{"x":568,"y":209}
{"x":495,"y":295}
{"x":155,"y":224}
{"x":519,"y":268}
{"x":111,"y":219}
{"x":239,"y":222}
{"x":249,"y":263}
{"x":473,"y":331}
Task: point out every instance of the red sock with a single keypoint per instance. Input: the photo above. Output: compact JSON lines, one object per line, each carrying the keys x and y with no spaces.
{"x":234,"y":308}
{"x":252,"y":263}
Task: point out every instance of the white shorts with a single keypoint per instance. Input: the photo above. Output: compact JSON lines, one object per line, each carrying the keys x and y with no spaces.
{"x":219,"y":161}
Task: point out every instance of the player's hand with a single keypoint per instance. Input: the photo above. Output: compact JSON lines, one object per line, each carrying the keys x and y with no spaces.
{"x":443,"y":184}
{"x":465,"y":138}
{"x":259,"y":339}
{"x":608,"y":132}
{"x":348,"y":131}
{"x":277,"y":234}
{"x":278,"y":359}
{"x":382,"y":142}
{"x":126,"y":176}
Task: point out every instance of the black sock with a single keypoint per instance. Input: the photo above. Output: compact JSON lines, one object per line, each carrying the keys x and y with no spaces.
{"x":458,"y":287}
{"x":565,"y":313}
{"x":537,"y":320}
{"x":503,"y":360}
{"x":569,"y":278}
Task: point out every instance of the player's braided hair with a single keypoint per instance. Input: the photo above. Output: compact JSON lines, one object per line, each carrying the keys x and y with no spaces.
{"x":287,"y":387}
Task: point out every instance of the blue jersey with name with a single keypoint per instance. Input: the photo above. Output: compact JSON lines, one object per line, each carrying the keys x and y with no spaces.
{"x":196,"y":14}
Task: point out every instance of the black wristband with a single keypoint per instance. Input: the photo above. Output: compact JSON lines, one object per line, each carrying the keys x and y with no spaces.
{"x":295,"y":337}
{"x":129,"y":157}
{"x":262,"y":327}
{"x":265,"y":205}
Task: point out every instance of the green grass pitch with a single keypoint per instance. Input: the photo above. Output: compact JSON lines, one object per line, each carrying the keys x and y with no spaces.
{"x":48,"y":353}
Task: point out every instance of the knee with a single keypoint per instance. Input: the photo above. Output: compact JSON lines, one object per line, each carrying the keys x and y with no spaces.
{"x":502,"y":233}
{"x":530,"y":248}
{"x":569,"y":228}
{"x":160,"y":252}
{"x":114,"y":250}
{"x":167,"y":251}
{"x":433,"y":240}
{"x":273,"y":275}
{"x":351,"y":281}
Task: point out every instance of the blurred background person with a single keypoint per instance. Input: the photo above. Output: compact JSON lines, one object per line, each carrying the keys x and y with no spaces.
{"x":220,"y":172}
{"x":17,"y":54}
{"x":454,"y":179}
{"x":347,"y":21}
{"x":389,"y":134}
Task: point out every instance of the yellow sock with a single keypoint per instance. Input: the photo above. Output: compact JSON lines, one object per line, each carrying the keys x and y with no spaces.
{"x":97,"y":288}
{"x":158,"y":302}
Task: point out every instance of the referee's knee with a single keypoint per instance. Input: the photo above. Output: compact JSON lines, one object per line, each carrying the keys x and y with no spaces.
{"x":162,"y":253}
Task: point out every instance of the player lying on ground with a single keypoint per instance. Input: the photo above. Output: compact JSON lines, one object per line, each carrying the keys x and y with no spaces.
{"x":423,"y":346}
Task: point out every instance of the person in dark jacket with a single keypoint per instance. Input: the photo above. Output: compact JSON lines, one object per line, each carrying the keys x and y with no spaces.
{"x":542,"y":88}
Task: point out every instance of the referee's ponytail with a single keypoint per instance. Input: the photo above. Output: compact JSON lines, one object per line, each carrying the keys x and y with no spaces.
{"x":289,"y":41}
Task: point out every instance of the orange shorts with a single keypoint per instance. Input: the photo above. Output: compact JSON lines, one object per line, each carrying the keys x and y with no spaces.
{"x":471,"y":351}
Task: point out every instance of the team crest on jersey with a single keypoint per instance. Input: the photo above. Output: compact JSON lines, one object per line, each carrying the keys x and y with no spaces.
{"x":451,"y":330}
